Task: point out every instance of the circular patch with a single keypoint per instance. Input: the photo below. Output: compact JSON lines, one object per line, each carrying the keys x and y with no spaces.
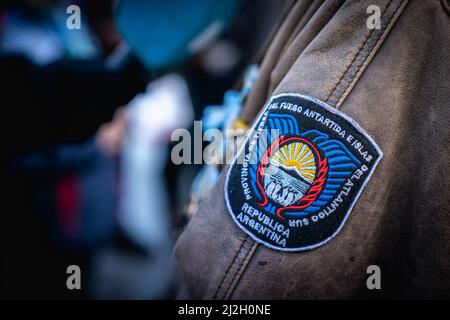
{"x":299,"y":173}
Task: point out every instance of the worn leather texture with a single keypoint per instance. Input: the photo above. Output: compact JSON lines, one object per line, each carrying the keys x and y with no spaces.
{"x":395,"y":83}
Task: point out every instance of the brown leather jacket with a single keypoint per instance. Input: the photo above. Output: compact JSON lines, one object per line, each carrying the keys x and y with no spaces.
{"x":394,"y":82}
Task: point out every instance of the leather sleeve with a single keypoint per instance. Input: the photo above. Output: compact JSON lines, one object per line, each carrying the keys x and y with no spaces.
{"x":394,"y":82}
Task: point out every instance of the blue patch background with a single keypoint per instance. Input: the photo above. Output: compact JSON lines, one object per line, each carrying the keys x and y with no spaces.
{"x":341,"y":162}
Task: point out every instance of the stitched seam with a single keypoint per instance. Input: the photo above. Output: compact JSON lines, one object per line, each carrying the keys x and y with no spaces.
{"x":229,"y":268}
{"x":355,"y":56}
{"x":244,"y":265}
{"x":238,"y":271}
{"x":271,"y":87}
{"x":349,"y":66}
{"x":378,"y":41}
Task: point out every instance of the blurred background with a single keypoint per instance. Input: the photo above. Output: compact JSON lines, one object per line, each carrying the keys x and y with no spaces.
{"x":88,"y":108}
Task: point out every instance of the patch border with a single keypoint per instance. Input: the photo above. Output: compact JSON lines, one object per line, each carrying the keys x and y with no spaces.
{"x":355,"y":199}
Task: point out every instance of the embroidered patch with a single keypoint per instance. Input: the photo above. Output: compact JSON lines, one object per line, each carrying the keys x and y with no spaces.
{"x":294,"y":182}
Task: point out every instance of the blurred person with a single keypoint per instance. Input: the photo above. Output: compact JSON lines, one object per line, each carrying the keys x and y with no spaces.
{"x":60,"y":187}
{"x":143,"y":206}
{"x":69,"y":92}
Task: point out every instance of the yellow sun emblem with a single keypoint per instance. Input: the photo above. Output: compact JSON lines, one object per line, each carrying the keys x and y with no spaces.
{"x":296,"y":155}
